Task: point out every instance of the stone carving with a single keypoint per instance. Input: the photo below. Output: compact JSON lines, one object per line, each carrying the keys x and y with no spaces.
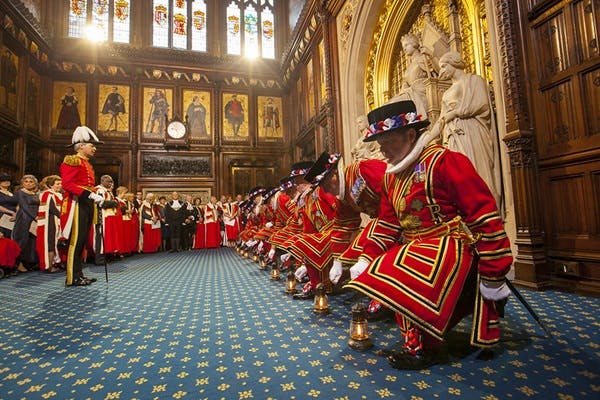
{"x":466,"y":121}
{"x":415,"y":76}
{"x":362,"y":150}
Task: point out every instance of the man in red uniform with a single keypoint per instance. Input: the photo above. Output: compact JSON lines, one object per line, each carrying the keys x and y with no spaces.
{"x":79,"y":210}
{"x":312,"y":246}
{"x":358,"y":188}
{"x":438,"y":250}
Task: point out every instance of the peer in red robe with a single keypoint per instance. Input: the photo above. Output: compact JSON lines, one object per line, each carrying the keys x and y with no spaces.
{"x":211,"y":224}
{"x":48,"y":225}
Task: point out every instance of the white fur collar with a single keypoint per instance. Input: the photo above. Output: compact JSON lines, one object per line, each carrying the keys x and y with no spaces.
{"x":414,"y":154}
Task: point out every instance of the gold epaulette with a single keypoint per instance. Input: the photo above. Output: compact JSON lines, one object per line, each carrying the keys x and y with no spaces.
{"x":72,"y":160}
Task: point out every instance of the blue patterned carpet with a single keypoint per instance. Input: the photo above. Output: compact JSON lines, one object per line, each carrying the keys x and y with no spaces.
{"x":211,"y":325}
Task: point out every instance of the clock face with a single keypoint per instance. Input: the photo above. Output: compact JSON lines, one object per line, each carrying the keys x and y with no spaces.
{"x":176,"y":130}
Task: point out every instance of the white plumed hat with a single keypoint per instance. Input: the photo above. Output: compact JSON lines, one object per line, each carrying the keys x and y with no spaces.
{"x":83,"y":134}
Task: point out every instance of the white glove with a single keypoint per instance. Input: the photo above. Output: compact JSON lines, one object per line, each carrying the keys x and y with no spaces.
{"x":358,"y":268}
{"x":285,"y":257}
{"x":494,"y":292}
{"x":269,"y":224}
{"x":335,"y":272}
{"x":96,"y":198}
{"x":260,"y":246}
{"x":301,"y":272}
{"x":271,"y":253}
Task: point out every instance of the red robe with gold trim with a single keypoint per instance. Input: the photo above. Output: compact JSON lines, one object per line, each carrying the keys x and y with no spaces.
{"x":130,"y":226}
{"x":211,"y":224}
{"x":48,"y":228}
{"x":151,"y":235}
{"x":231,"y":220}
{"x":421,"y":257}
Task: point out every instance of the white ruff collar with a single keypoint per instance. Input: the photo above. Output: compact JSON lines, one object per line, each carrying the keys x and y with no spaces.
{"x":414,"y":154}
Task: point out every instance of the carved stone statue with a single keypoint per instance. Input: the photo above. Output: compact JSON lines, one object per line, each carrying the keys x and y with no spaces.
{"x":466,"y":121}
{"x":415,"y":76}
{"x":361,"y":150}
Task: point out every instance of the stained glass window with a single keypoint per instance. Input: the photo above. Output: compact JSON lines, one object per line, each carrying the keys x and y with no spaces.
{"x":250,"y":32}
{"x":160,"y":23}
{"x":77,"y":18}
{"x":198,"y":27}
{"x":100,"y":12}
{"x":251,"y":23}
{"x":121,"y":21}
{"x":180,"y":24}
{"x":234,"y":36}
{"x":268,"y":29}
{"x":108,"y":19}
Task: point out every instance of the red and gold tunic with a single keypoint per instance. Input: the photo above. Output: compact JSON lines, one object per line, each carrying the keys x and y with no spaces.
{"x":293,"y":225}
{"x":313,"y":245}
{"x":420,"y":251}
{"x":78,"y":181}
{"x":362,"y":194}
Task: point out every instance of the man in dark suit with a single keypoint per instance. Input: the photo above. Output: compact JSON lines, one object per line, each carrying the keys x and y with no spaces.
{"x":175,"y":214}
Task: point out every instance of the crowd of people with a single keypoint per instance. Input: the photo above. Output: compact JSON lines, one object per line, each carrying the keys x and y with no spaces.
{"x":128,"y":223}
{"x":418,"y":233}
{"x":58,"y":223}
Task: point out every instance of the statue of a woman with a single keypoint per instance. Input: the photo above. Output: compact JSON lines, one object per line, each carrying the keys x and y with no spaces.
{"x":417,"y":71}
{"x":467,"y":121}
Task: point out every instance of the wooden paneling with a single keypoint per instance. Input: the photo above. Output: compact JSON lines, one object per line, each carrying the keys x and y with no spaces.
{"x":572,"y":212}
{"x":587,"y":23}
{"x":551,"y":47}
{"x":591,"y":93}
{"x":559,"y":126}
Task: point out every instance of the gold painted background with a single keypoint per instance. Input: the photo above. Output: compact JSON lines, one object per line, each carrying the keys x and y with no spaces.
{"x":226,"y":128}
{"x":264,"y":132}
{"x":154,"y":128}
{"x":59,"y":90}
{"x":122,"y":119}
{"x":205,"y":100}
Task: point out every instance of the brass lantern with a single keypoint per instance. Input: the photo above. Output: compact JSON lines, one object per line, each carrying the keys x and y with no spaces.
{"x":290,"y":283}
{"x":320,"y":306}
{"x":359,"y":333}
{"x":255,"y":257}
{"x":275,"y":274}
{"x":263,"y":263}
